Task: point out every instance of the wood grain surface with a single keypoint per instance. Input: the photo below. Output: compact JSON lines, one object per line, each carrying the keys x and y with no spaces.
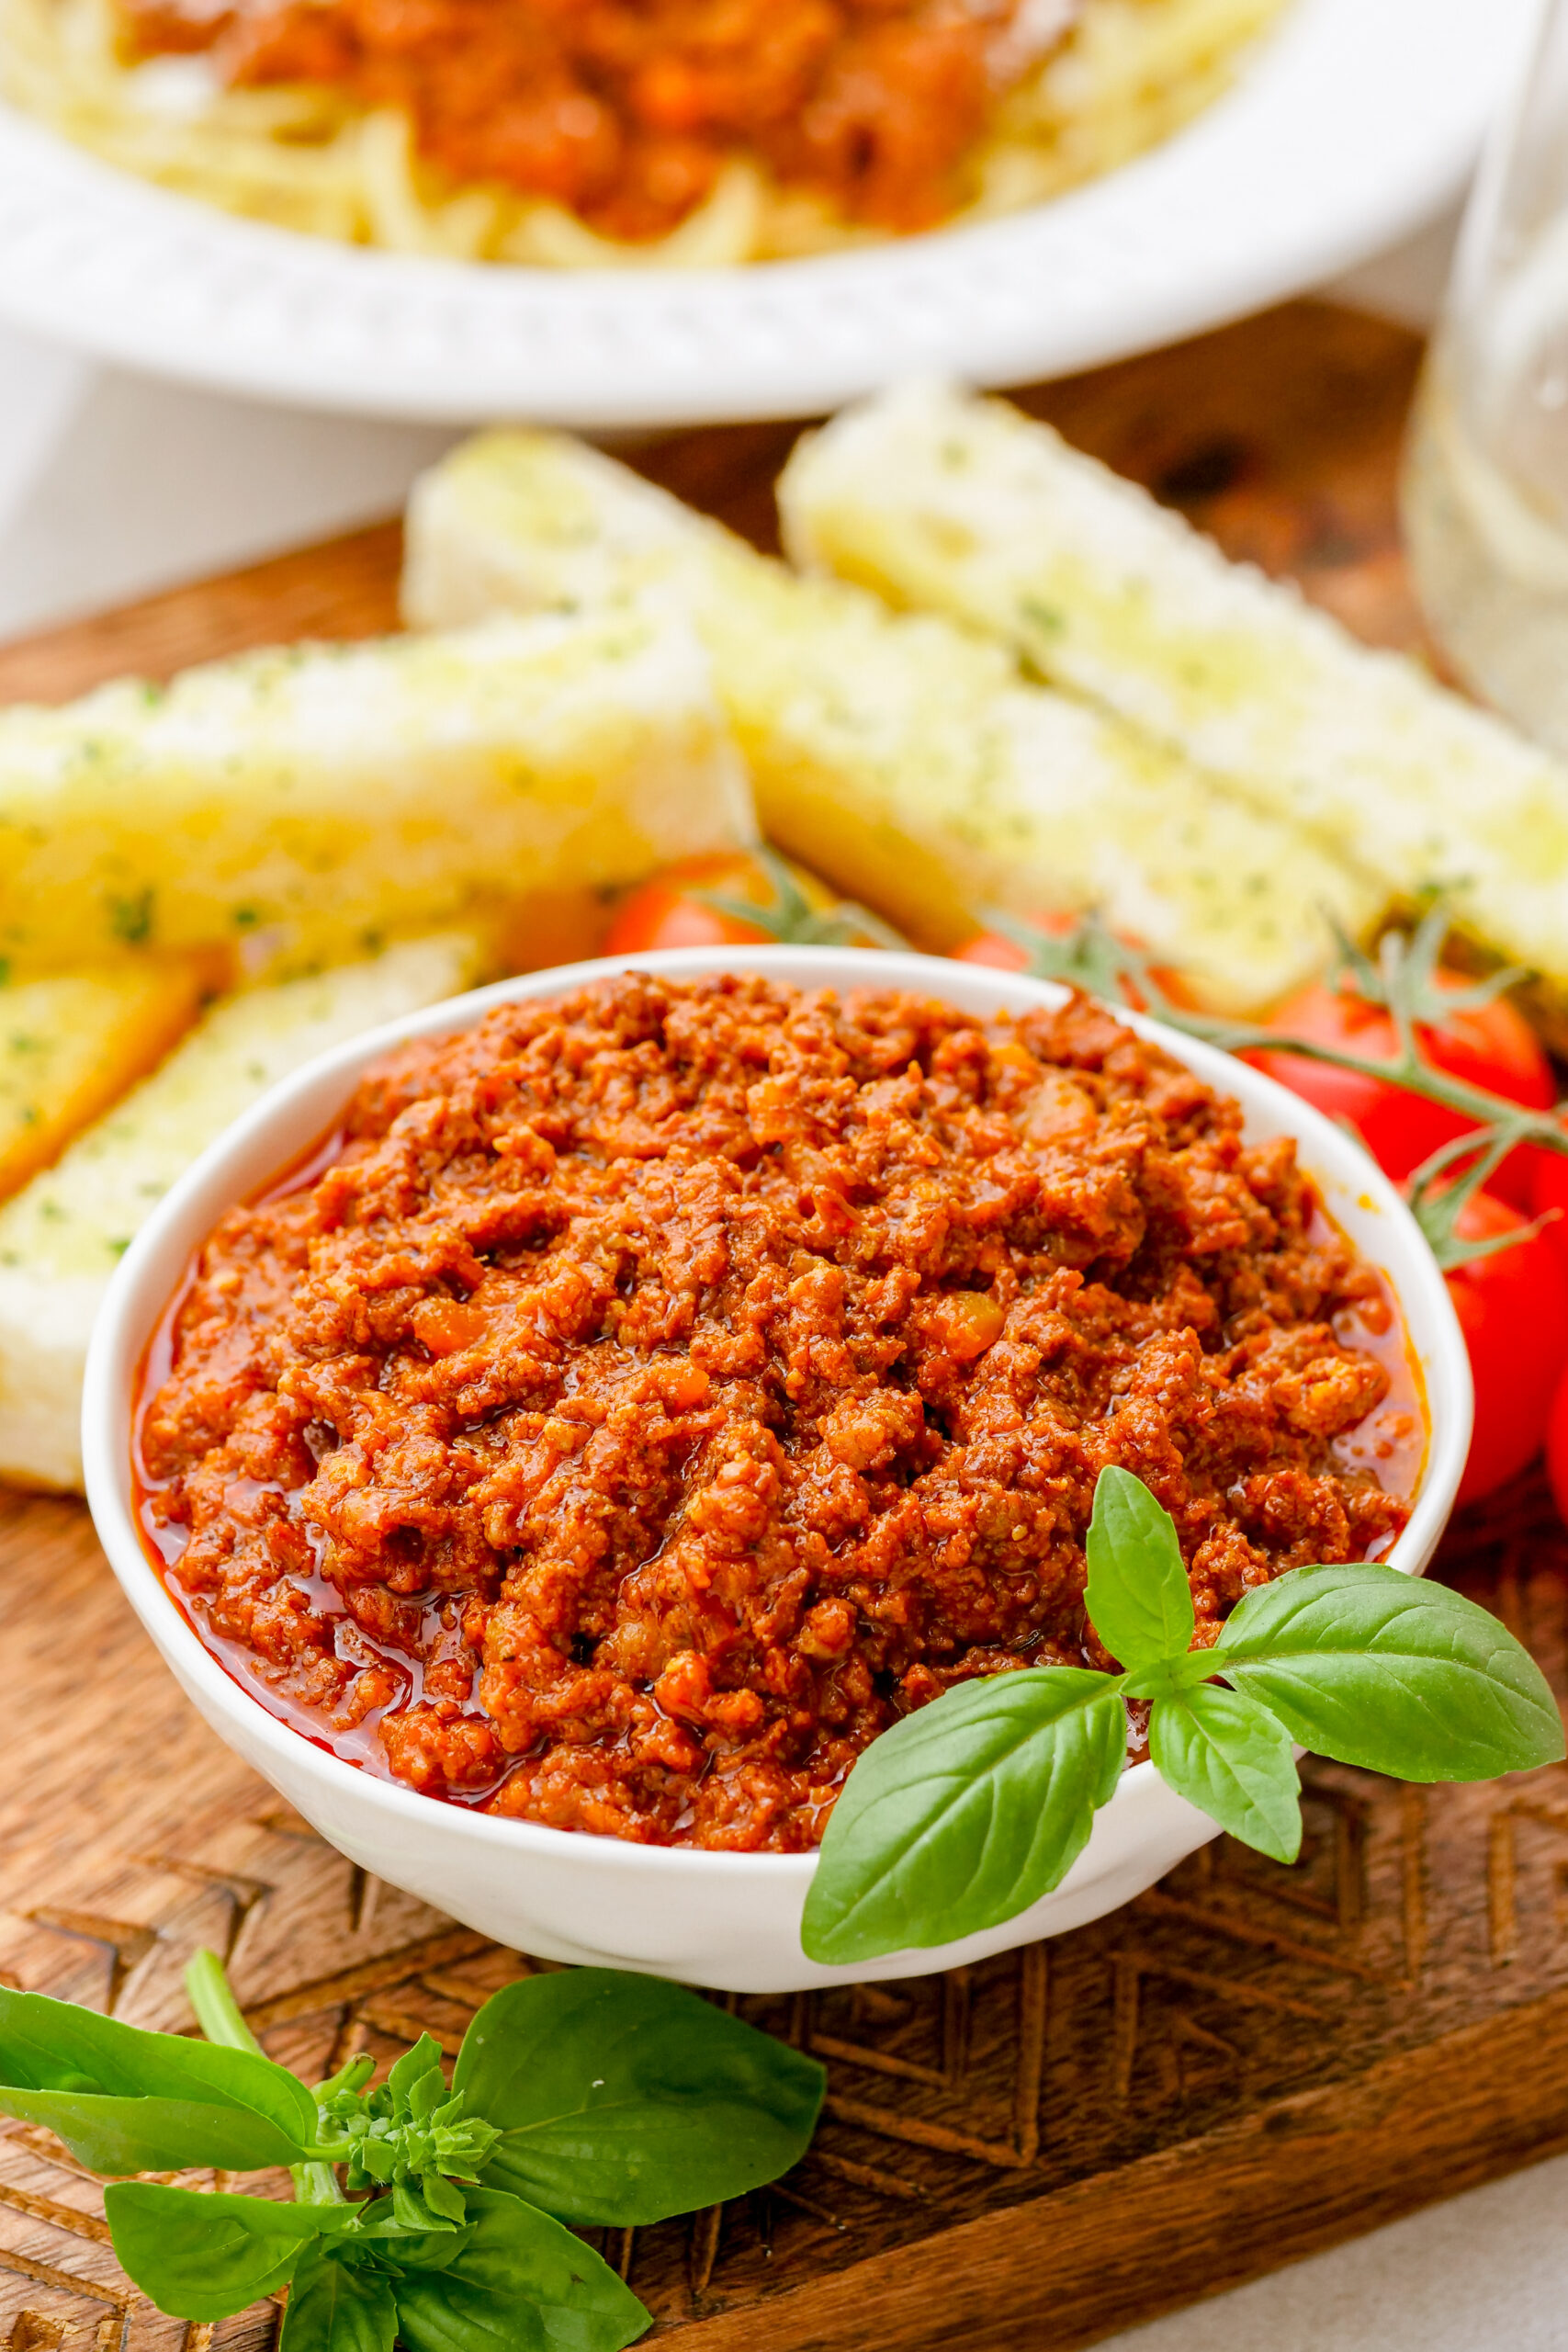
{"x":1246,"y":2063}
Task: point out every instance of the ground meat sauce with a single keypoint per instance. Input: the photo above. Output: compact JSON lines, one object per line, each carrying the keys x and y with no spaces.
{"x":628,"y":110}
{"x":651,"y":1395}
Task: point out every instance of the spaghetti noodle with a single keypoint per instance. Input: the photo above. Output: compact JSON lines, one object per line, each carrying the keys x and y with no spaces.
{"x":363,"y":156}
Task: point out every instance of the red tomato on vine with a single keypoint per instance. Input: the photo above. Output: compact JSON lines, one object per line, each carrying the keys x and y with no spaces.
{"x":1513,"y":1310}
{"x":738,"y":897}
{"x":1490,"y":1045}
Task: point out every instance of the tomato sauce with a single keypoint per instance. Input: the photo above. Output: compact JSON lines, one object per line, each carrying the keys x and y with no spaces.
{"x":626,"y":111}
{"x":648,"y":1395}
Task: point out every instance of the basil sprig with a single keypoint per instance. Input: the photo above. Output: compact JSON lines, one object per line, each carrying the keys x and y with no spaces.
{"x":968,"y":1811}
{"x":680,"y":2100}
{"x":588,"y":2096}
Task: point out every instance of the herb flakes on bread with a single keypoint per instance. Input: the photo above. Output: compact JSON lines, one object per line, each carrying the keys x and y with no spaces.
{"x":900,"y":757}
{"x":306,"y":802}
{"x":950,"y":504}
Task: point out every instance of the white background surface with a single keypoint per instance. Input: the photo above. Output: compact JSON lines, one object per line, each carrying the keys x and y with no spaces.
{"x":112,"y":486}
{"x":1485,"y":2273}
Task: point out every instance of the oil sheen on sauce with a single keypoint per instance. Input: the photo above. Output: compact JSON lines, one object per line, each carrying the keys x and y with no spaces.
{"x":1391,"y":1443}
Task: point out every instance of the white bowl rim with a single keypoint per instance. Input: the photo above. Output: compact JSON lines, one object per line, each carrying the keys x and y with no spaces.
{"x":1421,"y":1292}
{"x":1352,"y":125}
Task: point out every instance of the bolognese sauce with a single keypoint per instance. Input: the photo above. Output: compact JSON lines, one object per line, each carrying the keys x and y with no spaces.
{"x":626,"y":111}
{"x":647,"y":1395}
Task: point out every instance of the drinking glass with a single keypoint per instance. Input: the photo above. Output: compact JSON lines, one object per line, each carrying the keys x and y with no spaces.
{"x":1485,"y":491}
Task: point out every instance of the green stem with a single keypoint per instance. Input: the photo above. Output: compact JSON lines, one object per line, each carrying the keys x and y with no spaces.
{"x":350,"y":2077}
{"x":316,"y":2184}
{"x":789,"y":917}
{"x":1389,"y":949}
{"x":222,"y":2020}
{"x":1406,"y":1069}
{"x":218,"y":2013}
{"x":1113,"y":963}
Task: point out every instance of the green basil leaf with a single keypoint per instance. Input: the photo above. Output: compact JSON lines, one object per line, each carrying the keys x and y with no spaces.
{"x":201,"y":2256}
{"x":426,"y":2095}
{"x":966,"y":1812}
{"x":119,"y":2136}
{"x":336,"y":2306}
{"x":410,"y":2211}
{"x":381,"y":2232}
{"x":376,"y":2159}
{"x":1393,"y":1673}
{"x":417,"y":2072}
{"x":125,"y":2101}
{"x":443,"y":2198}
{"x":1138,"y":1597}
{"x":623,"y":2099}
{"x":521,"y":2283}
{"x":1233,"y":1760}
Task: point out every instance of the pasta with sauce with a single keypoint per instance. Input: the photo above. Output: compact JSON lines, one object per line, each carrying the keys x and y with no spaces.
{"x":248,"y":105}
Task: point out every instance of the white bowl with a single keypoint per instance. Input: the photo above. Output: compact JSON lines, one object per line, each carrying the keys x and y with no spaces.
{"x":1352,"y":125}
{"x":732,"y":1920}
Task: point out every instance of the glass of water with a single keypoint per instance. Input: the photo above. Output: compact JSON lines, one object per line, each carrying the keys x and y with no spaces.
{"x":1487,"y":475}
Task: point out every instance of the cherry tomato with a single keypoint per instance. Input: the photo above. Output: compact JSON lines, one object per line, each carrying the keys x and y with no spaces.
{"x":1513,"y":1310}
{"x":1492,"y":1046}
{"x":669,"y":912}
{"x":675,"y":908}
{"x":1549,"y":1196}
{"x":995,"y":949}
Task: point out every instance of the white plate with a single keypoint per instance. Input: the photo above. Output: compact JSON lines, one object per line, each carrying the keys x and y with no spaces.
{"x":1352,"y":125}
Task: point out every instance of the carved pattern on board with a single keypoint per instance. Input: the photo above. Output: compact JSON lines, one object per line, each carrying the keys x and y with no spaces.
{"x":952,"y":1995}
{"x":1508,"y":1833}
{"x":902,"y":2061}
{"x":1168,"y":2027}
{"x":906,"y":2068}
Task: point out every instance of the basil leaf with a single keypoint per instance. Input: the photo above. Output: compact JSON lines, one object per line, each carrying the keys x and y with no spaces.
{"x":443,"y":2198}
{"x":200,"y":2257}
{"x":412,"y":2214}
{"x":1389,"y":1672}
{"x":381,"y":2232}
{"x":521,"y":2283}
{"x":1233,"y":1759}
{"x":623,"y":2100}
{"x":125,"y":2101}
{"x":965,"y":1813}
{"x":1138,"y":1597}
{"x":119,"y":2136}
{"x":336,"y":2306}
{"x":417,"y":2075}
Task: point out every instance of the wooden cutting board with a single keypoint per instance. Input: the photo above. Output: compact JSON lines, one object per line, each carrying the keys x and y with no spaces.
{"x":1244,"y":2065}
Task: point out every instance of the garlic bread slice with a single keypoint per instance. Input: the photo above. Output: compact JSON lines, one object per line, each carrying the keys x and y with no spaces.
{"x":902,"y":758}
{"x":306,"y":803}
{"x":73,"y":1045}
{"x":63,"y":1234}
{"x":966,"y":508}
